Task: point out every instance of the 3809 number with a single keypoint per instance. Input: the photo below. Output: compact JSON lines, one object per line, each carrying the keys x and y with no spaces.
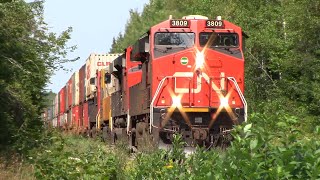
{"x":214,"y":24}
{"x":179,"y":23}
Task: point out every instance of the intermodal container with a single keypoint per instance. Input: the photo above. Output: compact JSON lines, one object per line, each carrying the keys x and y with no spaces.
{"x":65,"y":117}
{"x":58,"y":121}
{"x":53,"y":105}
{"x":62,"y":102}
{"x":98,"y":92}
{"x":75,"y":116}
{"x":52,"y":109}
{"x":66,"y":99}
{"x":80,"y":115}
{"x":57,"y":105}
{"x":63,"y":120}
{"x":94,"y":64}
{"x":69,"y":91}
{"x":82,"y":77}
{"x":69,"y":118}
{"x":49,"y":114}
{"x":85,"y":116}
{"x":75,"y":90}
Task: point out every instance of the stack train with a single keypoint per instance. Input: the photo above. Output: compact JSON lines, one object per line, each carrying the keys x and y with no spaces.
{"x":184,"y":76}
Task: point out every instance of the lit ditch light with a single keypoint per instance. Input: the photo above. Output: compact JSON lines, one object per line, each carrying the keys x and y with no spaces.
{"x":176,"y":104}
{"x":224,"y":102}
{"x":176,"y":101}
{"x":224,"y":107}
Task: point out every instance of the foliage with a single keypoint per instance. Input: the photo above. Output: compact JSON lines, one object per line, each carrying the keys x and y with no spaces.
{"x":282,"y":88}
{"x":16,"y":170}
{"x":29,"y":54}
{"x":255,"y":153}
{"x":73,"y":157}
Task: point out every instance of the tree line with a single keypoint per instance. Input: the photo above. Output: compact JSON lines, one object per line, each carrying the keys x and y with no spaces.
{"x":29,"y":54}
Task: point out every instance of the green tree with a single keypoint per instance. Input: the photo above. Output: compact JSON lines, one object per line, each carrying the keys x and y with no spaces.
{"x":29,"y":54}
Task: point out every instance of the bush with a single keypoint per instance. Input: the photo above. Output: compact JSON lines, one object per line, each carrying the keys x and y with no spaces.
{"x":255,"y":153}
{"x":270,"y":147}
{"x":71,"y":157}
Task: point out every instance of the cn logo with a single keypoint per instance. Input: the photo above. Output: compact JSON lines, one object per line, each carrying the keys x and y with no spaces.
{"x":199,"y":83}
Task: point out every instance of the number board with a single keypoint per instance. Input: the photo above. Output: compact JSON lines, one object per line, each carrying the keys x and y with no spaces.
{"x":181,"y":23}
{"x":214,"y":24}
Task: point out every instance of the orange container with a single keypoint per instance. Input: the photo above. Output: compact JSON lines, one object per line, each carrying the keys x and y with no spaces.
{"x":105,"y":108}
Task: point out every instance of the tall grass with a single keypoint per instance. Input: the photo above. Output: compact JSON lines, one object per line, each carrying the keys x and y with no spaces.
{"x":257,"y":152}
{"x":269,"y":148}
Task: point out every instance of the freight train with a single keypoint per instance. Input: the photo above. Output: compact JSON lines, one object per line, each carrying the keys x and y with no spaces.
{"x":183,"y":76}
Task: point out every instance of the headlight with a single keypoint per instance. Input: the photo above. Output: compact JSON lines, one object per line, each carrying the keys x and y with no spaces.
{"x":199,"y":59}
{"x":224,"y":102}
{"x":176,"y":101}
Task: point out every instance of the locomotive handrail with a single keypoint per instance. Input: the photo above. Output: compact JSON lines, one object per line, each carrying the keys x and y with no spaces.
{"x":128,"y":122}
{"x":241,"y":96}
{"x":154,"y":98}
{"x":97,"y":120}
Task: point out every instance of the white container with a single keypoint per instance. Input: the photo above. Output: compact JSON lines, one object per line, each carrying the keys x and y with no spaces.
{"x":56,"y":105}
{"x":94,"y":63}
{"x":53,"y":105}
{"x":63,"y":119}
{"x":75,"y":92}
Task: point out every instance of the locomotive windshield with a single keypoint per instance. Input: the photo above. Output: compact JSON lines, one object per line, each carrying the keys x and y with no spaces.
{"x":170,"y":42}
{"x":212,"y":40}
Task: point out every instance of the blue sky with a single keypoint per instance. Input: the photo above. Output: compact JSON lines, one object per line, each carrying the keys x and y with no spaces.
{"x":94,"y":25}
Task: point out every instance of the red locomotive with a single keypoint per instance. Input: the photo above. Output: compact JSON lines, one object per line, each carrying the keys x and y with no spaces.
{"x":183,"y":76}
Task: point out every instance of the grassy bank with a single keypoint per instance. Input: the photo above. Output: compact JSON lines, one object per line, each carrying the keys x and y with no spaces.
{"x":257,"y":152}
{"x":15,"y":170}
